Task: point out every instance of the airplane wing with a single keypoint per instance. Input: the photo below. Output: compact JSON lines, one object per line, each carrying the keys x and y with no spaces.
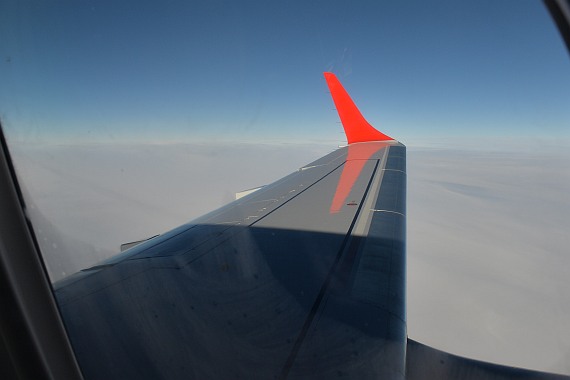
{"x":303,"y":278}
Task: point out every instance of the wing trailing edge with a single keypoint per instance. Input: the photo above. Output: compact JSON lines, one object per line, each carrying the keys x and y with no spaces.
{"x":356,"y":128}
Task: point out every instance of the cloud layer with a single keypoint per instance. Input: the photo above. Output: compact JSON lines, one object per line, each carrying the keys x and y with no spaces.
{"x":487,"y":231}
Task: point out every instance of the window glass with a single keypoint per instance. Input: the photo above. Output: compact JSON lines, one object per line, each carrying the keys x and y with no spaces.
{"x":125,"y":121}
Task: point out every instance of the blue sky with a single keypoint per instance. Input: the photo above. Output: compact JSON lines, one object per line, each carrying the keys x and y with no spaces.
{"x":186,"y":71}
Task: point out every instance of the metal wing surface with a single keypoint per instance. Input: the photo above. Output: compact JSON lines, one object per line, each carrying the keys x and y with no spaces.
{"x":303,"y":278}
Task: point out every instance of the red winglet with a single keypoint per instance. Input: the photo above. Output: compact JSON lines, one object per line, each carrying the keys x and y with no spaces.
{"x":356,"y":128}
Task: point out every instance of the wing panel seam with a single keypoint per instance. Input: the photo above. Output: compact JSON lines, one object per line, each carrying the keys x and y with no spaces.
{"x":316,"y":305}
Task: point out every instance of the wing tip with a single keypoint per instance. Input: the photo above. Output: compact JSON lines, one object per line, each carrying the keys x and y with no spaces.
{"x":356,"y":128}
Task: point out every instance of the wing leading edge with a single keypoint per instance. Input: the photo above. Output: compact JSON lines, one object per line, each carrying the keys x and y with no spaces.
{"x":303,"y":278}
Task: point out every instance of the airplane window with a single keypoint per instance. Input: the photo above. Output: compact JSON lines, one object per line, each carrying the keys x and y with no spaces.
{"x":128,"y":121}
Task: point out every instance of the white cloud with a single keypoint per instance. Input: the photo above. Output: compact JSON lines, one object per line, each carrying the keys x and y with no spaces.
{"x":488,"y":262}
{"x":107,"y":195}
